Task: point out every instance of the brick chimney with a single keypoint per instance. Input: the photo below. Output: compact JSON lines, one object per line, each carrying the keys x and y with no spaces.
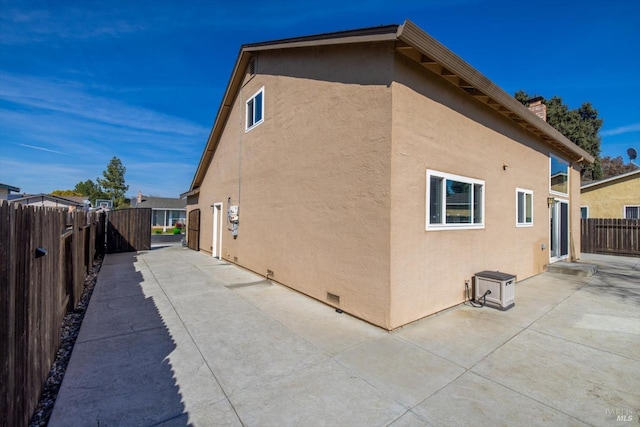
{"x":139,"y":197}
{"x":537,"y":107}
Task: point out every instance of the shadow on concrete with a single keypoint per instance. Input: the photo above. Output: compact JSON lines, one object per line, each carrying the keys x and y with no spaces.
{"x":613,"y":284}
{"x":164,"y":239}
{"x":617,"y":276}
{"x":120,"y":372}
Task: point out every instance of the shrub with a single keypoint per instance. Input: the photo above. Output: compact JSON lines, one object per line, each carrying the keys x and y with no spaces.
{"x":176,"y":230}
{"x":157,"y":231}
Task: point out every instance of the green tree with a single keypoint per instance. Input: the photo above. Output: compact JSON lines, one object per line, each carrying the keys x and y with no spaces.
{"x":580,"y":125}
{"x":614,"y":166}
{"x":113,"y":183}
{"x":91,"y":190}
{"x":63,"y":193}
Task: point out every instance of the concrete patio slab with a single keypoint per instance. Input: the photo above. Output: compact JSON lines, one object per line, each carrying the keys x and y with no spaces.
{"x":323,"y":326}
{"x":596,"y":320}
{"x":249,"y":348}
{"x":123,"y":378}
{"x":577,"y":380}
{"x":491,"y":405}
{"x":464,"y":335}
{"x":325,"y":394}
{"x":173,"y":337}
{"x":410,"y":380}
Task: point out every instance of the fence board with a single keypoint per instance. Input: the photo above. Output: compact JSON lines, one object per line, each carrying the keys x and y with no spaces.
{"x":35,"y":294}
{"x":610,"y":236}
{"x":128,"y":230}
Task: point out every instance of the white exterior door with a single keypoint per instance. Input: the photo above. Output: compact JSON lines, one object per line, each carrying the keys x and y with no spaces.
{"x":216,"y":250}
{"x":559,"y":229}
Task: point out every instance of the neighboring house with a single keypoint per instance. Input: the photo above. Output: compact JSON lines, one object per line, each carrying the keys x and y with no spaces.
{"x":166,"y":211}
{"x":69,"y":203}
{"x":616,"y":197}
{"x":5,"y":191}
{"x":377,"y":171}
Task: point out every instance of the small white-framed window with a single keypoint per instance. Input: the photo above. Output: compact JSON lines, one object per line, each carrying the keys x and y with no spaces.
{"x":255,"y":110}
{"x":632,"y":212}
{"x":558,"y":175}
{"x":584,"y":212}
{"x":524,"y":207}
{"x":454,"y":202}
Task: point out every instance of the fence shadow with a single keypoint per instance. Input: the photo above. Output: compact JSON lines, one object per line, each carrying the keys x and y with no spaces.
{"x":120,"y":371}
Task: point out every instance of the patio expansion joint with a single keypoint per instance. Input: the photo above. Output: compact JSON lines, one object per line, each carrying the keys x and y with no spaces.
{"x":529,"y":397}
{"x":585,"y":345}
{"x":132,"y":332}
{"x":222,"y":389}
{"x":471,"y":368}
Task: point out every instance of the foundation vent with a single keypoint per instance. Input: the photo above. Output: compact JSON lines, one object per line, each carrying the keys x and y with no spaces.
{"x":333,"y":298}
{"x":235,"y":259}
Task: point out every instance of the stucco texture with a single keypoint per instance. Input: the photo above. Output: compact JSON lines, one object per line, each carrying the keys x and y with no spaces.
{"x":609,"y":199}
{"x":313,"y":180}
{"x":332,"y":185}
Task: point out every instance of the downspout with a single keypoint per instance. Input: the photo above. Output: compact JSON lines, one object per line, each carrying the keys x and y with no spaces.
{"x":571,"y":236}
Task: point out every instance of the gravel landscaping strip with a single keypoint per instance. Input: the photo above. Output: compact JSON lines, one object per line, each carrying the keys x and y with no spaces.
{"x":70,"y":328}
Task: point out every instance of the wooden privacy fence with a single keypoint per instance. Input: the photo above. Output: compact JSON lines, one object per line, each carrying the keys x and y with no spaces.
{"x":610,"y":236}
{"x":45,"y":255}
{"x":129,"y":230}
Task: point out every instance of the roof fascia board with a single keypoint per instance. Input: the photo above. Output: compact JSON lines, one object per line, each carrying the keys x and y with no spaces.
{"x":408,"y":33}
{"x":166,"y":209}
{"x":322,"y":42}
{"x":412,"y":35}
{"x":43,"y":197}
{"x":10,"y":188}
{"x":190,"y":193}
{"x":224,"y":110}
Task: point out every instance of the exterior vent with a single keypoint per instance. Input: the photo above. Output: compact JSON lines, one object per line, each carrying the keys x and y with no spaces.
{"x":333,"y":298}
{"x":252,"y":67}
{"x":496,"y":288}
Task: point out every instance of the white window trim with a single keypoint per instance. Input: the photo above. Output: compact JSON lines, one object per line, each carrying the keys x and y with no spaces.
{"x":624,"y":210}
{"x":448,"y":176}
{"x":587,"y":208}
{"x":524,"y":224}
{"x":246,"y":110}
{"x":560,"y":159}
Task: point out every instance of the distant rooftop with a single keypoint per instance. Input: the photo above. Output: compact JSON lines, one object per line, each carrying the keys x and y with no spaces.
{"x":159,"y":202}
{"x":10,"y":188}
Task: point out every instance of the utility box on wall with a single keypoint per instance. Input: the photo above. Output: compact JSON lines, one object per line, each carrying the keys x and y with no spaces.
{"x":496,"y":288}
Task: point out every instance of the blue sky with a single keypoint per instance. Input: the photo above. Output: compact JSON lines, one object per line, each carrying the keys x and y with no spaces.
{"x":81,"y":82}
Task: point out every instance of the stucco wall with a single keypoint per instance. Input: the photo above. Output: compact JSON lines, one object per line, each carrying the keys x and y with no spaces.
{"x":608,"y":200}
{"x":331,"y":187}
{"x":439,"y":127}
{"x":312,"y":181}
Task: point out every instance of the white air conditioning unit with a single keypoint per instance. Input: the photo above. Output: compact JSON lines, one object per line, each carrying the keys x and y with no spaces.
{"x":496,"y":288}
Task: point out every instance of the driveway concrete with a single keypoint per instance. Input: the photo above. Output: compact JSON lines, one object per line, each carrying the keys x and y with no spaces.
{"x":174,"y":337}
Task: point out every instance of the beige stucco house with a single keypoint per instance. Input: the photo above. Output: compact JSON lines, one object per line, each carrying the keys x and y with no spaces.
{"x":616,"y":197}
{"x":377,"y":171}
